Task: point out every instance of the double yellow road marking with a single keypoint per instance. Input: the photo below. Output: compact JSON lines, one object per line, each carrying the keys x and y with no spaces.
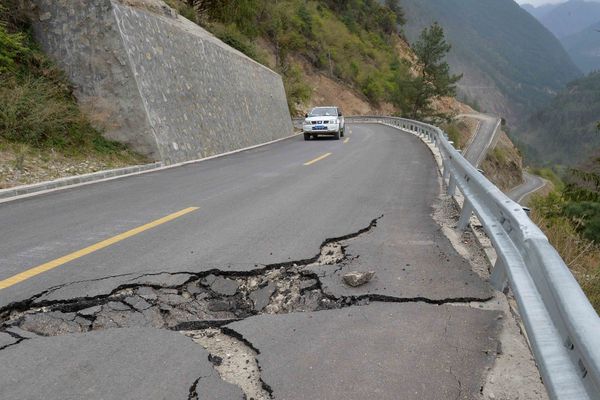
{"x":30,"y":273}
{"x":317,"y":159}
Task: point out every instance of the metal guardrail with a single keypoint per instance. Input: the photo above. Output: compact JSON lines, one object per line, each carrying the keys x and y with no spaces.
{"x":561,"y":324}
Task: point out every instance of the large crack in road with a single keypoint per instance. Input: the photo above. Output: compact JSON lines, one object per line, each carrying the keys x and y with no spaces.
{"x":200,"y":308}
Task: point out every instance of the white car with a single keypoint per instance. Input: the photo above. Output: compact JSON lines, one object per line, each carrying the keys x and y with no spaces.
{"x":324,"y":121}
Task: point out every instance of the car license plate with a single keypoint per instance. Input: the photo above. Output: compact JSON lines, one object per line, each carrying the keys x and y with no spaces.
{"x":319,"y":128}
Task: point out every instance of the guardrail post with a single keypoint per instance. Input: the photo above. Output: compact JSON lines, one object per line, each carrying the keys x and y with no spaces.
{"x":451,"y":186}
{"x":465,"y":215}
{"x":446,"y":173}
{"x":499,"y":279}
{"x":559,"y":320}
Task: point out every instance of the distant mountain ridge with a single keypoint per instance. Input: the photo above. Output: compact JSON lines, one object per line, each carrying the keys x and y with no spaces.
{"x":575,"y":23}
{"x":584,"y":48}
{"x":565,"y":131}
{"x":539,"y":11}
{"x":512,"y":65}
{"x":571,"y":17}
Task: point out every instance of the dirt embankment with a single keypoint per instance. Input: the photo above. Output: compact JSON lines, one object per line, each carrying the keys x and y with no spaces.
{"x":503,"y":164}
{"x":21,"y":164}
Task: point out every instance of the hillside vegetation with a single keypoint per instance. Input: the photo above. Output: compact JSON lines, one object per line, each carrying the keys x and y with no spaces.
{"x":39,"y":117}
{"x":584,"y":47}
{"x":351,"y":43}
{"x":564,"y":132}
{"x":511,"y":64}
{"x":570,"y":217}
{"x":354,"y":42}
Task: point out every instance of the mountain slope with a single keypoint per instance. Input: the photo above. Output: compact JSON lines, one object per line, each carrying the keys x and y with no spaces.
{"x":565,"y":131}
{"x":571,"y":17}
{"x":584,"y":48}
{"x":511,"y":63}
{"x":539,"y":11}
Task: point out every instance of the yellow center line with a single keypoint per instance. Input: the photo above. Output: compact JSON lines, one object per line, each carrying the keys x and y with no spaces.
{"x":346,"y":140}
{"x":30,"y":273}
{"x":317,"y":159}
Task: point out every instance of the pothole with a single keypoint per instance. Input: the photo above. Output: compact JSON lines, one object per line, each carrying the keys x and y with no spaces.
{"x":200,"y":308}
{"x":196,"y":308}
{"x":204,"y":301}
{"x":234,"y":361}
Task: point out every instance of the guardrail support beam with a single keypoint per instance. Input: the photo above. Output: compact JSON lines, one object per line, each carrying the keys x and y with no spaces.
{"x":499,"y":278}
{"x":465,"y":215}
{"x":446,"y":173}
{"x":451,"y":186}
{"x":551,"y":303}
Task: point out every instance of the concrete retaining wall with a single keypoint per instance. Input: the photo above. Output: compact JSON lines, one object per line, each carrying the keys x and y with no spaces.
{"x":159,"y":82}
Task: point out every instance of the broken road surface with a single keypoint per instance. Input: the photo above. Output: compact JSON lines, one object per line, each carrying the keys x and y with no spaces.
{"x":243,"y":297}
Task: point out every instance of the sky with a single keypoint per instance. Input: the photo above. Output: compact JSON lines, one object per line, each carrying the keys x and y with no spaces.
{"x":540,"y":2}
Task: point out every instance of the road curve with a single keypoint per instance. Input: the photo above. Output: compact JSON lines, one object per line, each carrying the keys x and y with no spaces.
{"x":532,"y":183}
{"x":484,"y":138}
{"x":136,"y":253}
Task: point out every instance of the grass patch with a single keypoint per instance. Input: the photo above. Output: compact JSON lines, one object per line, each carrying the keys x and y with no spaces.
{"x":498,"y":155}
{"x":581,"y":255}
{"x":458,"y":132}
{"x":37,"y":106}
{"x":184,"y":9}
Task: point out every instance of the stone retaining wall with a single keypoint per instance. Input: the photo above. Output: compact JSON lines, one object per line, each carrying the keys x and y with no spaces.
{"x":158,"y":82}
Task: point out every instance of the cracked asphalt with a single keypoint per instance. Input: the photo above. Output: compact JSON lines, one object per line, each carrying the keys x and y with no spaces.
{"x":260,"y":262}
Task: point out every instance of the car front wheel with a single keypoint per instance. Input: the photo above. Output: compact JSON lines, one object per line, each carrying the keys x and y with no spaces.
{"x":306,"y":136}
{"x":337,"y":135}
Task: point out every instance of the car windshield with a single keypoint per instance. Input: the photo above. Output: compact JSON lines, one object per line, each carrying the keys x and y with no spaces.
{"x":323,"y":112}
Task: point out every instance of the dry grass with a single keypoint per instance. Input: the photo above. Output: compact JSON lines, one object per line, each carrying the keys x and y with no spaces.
{"x":22,"y":164}
{"x":582,"y":256}
{"x":503,"y":164}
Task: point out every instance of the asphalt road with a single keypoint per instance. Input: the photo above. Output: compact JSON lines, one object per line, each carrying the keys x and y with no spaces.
{"x":531,"y":184}
{"x":483,"y":140}
{"x":272,"y":206}
{"x":484,"y":137}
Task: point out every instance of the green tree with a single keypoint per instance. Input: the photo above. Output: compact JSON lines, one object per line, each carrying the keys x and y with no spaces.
{"x":394,"y":5}
{"x":434,"y":79}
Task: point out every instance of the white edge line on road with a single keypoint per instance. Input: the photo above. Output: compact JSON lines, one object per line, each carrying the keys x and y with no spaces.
{"x":532,"y":191}
{"x":76,"y":185}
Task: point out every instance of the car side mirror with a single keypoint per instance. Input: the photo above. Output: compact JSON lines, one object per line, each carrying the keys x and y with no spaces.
{"x":306,"y":115}
{"x":339,"y":114}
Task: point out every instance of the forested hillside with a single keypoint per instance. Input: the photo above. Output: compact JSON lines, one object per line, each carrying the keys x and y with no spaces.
{"x":511,"y":63}
{"x":355,"y":43}
{"x":565,"y":131}
{"x":584,"y":47}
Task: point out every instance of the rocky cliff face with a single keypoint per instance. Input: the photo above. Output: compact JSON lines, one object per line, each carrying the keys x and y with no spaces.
{"x":159,"y":83}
